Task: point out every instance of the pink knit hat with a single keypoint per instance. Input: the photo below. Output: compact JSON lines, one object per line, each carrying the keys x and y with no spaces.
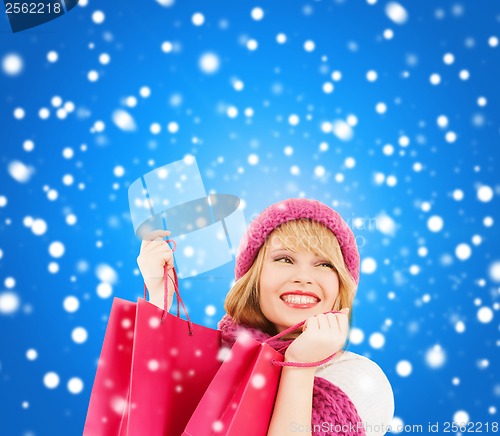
{"x":289,"y":210}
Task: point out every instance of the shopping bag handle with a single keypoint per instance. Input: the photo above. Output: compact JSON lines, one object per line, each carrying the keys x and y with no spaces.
{"x":176,"y":290}
{"x":298,"y":364}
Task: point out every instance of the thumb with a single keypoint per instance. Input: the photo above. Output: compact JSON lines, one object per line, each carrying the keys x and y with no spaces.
{"x":156,"y":234}
{"x":345,"y":311}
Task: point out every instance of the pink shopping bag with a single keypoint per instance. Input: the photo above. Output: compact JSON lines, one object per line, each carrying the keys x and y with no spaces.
{"x":111,"y":383}
{"x":247,"y":381}
{"x":153,"y":383}
{"x":240,"y":398}
{"x":171,"y":370}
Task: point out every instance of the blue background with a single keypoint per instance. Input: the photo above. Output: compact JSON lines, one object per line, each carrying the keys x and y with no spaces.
{"x":415,"y":311}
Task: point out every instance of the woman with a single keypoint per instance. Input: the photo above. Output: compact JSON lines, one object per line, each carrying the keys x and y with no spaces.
{"x":298,"y":261}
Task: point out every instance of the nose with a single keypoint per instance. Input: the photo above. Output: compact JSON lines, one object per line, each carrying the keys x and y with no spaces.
{"x":302,"y":275}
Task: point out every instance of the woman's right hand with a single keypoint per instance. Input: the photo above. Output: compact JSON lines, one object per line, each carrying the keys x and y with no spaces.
{"x":154,"y":254}
{"x":322,"y":336}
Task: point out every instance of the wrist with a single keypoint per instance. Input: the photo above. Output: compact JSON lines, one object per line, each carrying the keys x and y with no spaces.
{"x":157,"y":302}
{"x":291,"y":359}
{"x":299,"y":372}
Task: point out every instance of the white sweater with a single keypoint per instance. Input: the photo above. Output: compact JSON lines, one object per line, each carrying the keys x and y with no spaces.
{"x":366,"y":385}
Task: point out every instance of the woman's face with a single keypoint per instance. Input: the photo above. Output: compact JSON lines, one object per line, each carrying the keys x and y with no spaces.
{"x":295,"y":285}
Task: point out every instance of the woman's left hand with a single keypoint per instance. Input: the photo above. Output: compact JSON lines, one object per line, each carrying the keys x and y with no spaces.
{"x":322,"y":336}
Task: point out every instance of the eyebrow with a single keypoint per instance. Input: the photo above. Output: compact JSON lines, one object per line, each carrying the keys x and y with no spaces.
{"x":280,"y":249}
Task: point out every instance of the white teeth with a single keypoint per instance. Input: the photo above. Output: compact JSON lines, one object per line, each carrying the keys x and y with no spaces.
{"x":299,"y":299}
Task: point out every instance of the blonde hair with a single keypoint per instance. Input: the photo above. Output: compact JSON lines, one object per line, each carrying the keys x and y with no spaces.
{"x":242,"y":301}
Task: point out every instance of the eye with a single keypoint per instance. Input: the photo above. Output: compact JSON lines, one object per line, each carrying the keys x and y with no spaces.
{"x":327,"y":264}
{"x":285,"y":259}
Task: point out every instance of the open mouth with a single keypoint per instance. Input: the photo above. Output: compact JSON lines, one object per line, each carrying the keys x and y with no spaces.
{"x":300,"y":300}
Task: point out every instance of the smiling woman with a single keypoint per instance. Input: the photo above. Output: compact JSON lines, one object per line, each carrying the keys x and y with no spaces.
{"x":298,"y":265}
{"x":299,"y":261}
{"x":295,"y":286}
{"x":300,"y":257}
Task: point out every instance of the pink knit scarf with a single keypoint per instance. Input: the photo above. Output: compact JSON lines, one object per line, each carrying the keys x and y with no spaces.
{"x":333,"y":413}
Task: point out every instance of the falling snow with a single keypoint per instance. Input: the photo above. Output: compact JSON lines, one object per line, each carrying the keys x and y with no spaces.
{"x":394,"y":126}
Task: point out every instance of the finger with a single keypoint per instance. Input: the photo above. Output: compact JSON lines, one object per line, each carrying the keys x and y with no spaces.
{"x":159,"y":245}
{"x":160,"y":254}
{"x":163,"y":253}
{"x":345,"y":311}
{"x":148,"y":247}
{"x":152,"y":242}
{"x":156,"y":246}
{"x":312,"y":323}
{"x":342,"y":321}
{"x":332,"y":322}
{"x":323,"y":322}
{"x":168,"y":258}
{"x":156,"y":234}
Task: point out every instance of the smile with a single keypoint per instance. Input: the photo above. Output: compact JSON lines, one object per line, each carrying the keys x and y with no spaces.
{"x":300,"y":300}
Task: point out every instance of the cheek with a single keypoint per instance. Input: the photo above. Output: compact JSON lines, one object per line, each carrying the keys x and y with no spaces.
{"x":269,"y":280}
{"x":333,"y":288}
{"x":267,"y":294}
{"x":264,"y":291}
{"x":266,"y":305}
